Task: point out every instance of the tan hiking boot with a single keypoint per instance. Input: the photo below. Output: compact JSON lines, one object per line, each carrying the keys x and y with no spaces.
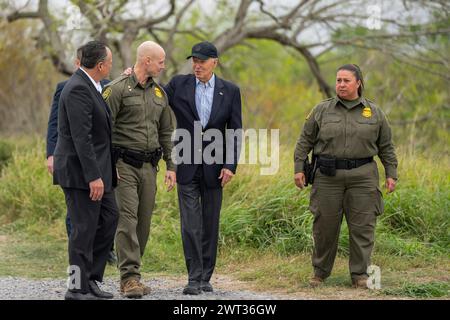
{"x":316,"y":281}
{"x":146,"y":289}
{"x":360,"y":283}
{"x":131,"y":289}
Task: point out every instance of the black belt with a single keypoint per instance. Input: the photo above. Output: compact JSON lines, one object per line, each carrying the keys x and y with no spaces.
{"x":137,"y":158}
{"x":145,"y":156}
{"x":349,"y":164}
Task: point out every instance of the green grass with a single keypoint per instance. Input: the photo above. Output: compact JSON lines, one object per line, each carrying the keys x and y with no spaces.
{"x":33,"y":256}
{"x":265,"y":238}
{"x":421,"y":290}
{"x":6,"y":150}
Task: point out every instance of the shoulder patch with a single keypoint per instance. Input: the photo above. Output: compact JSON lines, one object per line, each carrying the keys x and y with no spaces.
{"x":106,"y":93}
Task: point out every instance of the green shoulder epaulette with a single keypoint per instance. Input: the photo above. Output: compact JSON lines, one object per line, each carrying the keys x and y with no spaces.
{"x":117,"y":80}
{"x":108,"y":88}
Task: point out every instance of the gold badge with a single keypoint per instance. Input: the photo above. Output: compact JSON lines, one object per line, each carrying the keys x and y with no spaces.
{"x":367,"y":112}
{"x":158,"y":92}
{"x":106,"y":93}
{"x":309,"y":115}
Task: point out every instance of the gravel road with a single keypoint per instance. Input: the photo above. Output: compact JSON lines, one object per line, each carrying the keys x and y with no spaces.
{"x":13,"y":288}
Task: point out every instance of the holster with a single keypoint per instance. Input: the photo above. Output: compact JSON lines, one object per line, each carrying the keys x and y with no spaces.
{"x":132,"y":161}
{"x":309,"y":170}
{"x":137,"y":158}
{"x":155,"y":157}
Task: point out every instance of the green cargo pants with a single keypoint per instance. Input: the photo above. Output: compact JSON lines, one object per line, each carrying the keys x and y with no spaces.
{"x":354,"y":193}
{"x":135,"y":195}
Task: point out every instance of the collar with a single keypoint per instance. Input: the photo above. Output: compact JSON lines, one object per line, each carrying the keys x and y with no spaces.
{"x":211,"y":82}
{"x":135,"y":82}
{"x":97,"y":85}
{"x":360,"y":101}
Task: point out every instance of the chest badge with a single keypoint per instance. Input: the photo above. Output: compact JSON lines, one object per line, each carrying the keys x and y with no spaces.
{"x":158,"y":92}
{"x":367,"y":112}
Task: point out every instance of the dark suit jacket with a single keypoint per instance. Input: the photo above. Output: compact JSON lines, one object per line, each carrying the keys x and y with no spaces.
{"x":83,"y":149}
{"x":52,"y":129}
{"x":225,"y":114}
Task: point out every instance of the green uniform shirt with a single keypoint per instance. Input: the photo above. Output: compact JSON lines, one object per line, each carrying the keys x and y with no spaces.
{"x":347,"y":130}
{"x":141,"y":116}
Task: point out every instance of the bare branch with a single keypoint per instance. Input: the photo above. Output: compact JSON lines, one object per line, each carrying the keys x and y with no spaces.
{"x":242,"y":11}
{"x":267,"y":13}
{"x":150,"y":22}
{"x":52,"y":41}
{"x":310,"y":59}
{"x":171,"y":36}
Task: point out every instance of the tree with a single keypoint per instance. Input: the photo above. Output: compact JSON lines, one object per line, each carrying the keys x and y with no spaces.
{"x":310,"y":27}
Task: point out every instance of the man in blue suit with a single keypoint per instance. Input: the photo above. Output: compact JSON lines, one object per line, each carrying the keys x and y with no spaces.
{"x":206,"y":103}
{"x":52,"y":138}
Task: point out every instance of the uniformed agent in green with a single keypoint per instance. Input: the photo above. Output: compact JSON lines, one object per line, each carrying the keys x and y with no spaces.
{"x":142,"y":129}
{"x":345,"y":133}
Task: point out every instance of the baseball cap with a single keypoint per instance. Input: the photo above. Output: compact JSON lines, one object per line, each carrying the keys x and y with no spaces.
{"x":204,"y":50}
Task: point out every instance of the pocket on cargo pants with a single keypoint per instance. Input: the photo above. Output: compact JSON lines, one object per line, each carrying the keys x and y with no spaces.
{"x":379,"y":203}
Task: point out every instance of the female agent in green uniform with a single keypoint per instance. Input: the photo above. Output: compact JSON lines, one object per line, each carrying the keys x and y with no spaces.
{"x":345,"y":133}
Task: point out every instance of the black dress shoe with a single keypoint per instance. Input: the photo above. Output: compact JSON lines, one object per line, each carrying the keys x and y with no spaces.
{"x":96,"y":291}
{"x":112,"y":258}
{"x":206,"y":286}
{"x":79,"y":296}
{"x":192,"y":288}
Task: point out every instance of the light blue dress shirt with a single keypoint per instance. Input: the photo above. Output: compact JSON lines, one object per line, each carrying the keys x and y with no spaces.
{"x":204,"y":94}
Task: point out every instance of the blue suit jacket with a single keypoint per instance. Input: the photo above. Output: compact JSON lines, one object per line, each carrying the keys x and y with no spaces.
{"x":52,"y":130}
{"x":225,"y":114}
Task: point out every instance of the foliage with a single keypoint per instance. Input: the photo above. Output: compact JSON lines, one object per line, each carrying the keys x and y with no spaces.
{"x":26,"y":81}
{"x":5,"y":152}
{"x":258,"y":211}
{"x":27,"y":195}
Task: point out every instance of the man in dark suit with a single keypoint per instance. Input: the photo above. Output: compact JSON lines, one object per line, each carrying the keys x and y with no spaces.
{"x":52,"y":129}
{"x":84,"y":168}
{"x":204,"y":101}
{"x":52,"y":138}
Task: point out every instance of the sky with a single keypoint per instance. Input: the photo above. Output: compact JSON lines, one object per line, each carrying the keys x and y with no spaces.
{"x":377,"y":9}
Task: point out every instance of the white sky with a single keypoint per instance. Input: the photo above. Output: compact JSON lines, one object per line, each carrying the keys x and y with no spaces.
{"x":137,"y":8}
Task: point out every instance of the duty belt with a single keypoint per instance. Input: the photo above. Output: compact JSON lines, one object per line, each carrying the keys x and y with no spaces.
{"x":137,"y":158}
{"x":348,"y":164}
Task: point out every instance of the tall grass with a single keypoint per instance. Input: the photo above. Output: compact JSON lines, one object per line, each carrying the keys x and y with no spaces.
{"x":27,"y":197}
{"x":268,"y":211}
{"x":6,"y":149}
{"x":263,"y":212}
{"x":420,"y":208}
